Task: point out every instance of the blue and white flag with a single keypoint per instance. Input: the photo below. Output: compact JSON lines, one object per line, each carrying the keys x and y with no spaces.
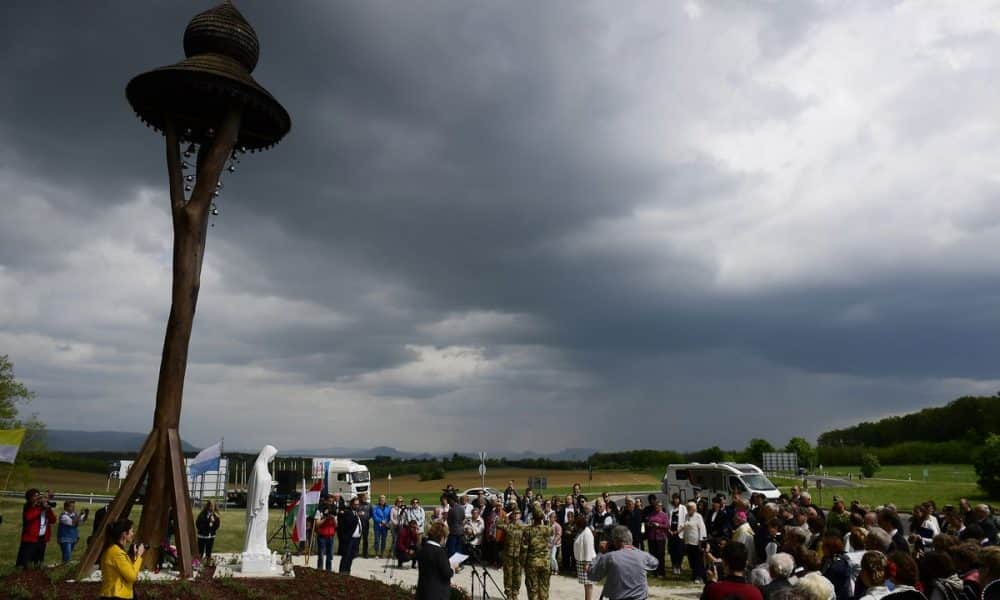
{"x":207,"y":460}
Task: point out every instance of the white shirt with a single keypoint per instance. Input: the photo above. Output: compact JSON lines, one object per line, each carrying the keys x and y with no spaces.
{"x":693,"y":531}
{"x":681,"y":511}
{"x":583,"y":546}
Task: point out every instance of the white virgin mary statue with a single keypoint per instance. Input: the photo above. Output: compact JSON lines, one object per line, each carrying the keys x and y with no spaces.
{"x":257,"y":497}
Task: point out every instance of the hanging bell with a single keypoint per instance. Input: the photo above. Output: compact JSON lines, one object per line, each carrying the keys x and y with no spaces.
{"x":187,"y":133}
{"x":187,"y":188}
{"x":210,"y":133}
{"x":185,"y":165}
{"x":215,"y":212}
{"x":231,"y":169}
{"x":243,"y":149}
{"x":215,"y":194}
{"x":189,"y":178}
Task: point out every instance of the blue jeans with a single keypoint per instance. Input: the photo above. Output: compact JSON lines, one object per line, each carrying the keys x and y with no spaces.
{"x":454,"y":543}
{"x":347,"y":552}
{"x":324,"y":548}
{"x":67,"y":550}
{"x":380,"y":535}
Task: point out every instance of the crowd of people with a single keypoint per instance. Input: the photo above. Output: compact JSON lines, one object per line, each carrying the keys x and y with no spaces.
{"x":750,"y":548}
{"x":740,"y":548}
{"x":791,"y":549}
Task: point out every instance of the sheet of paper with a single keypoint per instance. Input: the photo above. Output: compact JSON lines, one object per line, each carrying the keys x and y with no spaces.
{"x":457,"y":559}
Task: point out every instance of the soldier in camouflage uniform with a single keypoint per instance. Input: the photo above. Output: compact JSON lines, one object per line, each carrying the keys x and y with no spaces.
{"x":512,"y":553}
{"x":537,"y":570}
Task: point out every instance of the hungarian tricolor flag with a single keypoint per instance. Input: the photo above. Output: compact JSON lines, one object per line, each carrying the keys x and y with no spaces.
{"x":298,"y":511}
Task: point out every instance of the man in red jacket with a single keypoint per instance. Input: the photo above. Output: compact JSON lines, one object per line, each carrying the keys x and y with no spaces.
{"x":325,"y":527}
{"x":37,"y":521}
{"x":733,"y":586}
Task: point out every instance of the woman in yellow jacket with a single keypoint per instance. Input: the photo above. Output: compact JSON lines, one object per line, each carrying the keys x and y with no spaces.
{"x":119,"y":569}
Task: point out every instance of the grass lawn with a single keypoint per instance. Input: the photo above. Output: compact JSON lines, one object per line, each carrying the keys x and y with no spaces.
{"x":903,"y":485}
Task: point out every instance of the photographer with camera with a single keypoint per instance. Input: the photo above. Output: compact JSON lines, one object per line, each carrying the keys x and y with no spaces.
{"x":406,"y":544}
{"x":120,"y":561}
{"x":69,"y":534}
{"x":207,"y":525}
{"x":325,"y":527}
{"x":37,"y":520}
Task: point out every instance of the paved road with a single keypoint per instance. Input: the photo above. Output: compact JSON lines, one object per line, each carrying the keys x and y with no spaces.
{"x":386,"y":571}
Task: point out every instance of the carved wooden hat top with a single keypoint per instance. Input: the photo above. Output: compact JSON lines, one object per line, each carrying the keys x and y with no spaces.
{"x":221,"y":50}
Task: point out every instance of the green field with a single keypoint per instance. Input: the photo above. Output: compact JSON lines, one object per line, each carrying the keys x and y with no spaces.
{"x":903,"y":485}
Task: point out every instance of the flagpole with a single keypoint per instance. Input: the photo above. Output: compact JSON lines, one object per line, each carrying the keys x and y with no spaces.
{"x":10,"y":470}
{"x":222,"y":448}
{"x":312,"y":532}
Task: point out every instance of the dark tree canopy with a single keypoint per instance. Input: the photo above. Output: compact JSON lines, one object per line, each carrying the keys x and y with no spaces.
{"x":969,"y":418}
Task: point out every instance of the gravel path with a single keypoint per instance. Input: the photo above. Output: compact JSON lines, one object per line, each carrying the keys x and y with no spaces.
{"x":560,"y":586}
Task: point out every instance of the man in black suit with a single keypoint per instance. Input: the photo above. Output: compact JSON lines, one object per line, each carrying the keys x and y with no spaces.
{"x":434,"y":578}
{"x":349,"y":535}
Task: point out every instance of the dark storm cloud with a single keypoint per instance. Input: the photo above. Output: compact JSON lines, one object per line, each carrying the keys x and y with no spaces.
{"x":547,"y":186}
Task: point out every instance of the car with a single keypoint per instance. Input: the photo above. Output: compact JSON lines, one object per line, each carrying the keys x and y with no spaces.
{"x":487,"y":491}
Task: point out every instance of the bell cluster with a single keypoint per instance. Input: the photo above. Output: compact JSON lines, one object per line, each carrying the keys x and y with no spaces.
{"x":190,"y":172}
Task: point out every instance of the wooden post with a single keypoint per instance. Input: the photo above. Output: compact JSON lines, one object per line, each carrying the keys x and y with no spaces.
{"x":162,"y":457}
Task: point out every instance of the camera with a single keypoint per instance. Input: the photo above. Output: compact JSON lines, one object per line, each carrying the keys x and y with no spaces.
{"x":50,"y":504}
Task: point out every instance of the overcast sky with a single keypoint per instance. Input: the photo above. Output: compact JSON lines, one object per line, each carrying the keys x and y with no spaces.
{"x":518,"y":225}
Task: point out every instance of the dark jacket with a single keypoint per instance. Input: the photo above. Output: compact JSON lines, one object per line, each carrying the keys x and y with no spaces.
{"x":207,"y":524}
{"x":838,"y":570}
{"x":434,"y":578}
{"x":456,"y":517}
{"x":347,"y":522}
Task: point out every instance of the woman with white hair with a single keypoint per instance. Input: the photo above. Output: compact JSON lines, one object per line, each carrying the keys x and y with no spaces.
{"x":781,"y":565}
{"x":816,"y":587}
{"x":695,"y":535}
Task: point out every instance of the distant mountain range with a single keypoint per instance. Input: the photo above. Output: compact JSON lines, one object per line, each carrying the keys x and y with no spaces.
{"x":71,"y":440}
{"x":341,"y":451}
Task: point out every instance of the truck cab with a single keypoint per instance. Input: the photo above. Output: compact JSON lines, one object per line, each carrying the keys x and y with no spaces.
{"x":343,"y":475}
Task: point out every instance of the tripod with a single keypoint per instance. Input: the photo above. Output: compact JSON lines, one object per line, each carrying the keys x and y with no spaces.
{"x":282,"y":531}
{"x":482,"y":575}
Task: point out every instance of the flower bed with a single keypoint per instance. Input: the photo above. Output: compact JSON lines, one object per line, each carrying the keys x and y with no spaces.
{"x":307,"y":583}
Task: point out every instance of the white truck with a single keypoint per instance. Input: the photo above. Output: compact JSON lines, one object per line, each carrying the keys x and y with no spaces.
{"x":709,"y":479}
{"x":343,"y":475}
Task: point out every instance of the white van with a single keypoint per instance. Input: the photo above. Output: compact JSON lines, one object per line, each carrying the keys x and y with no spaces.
{"x":343,"y":475}
{"x":717,"y":478}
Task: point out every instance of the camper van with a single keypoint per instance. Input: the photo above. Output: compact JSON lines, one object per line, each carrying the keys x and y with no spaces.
{"x":343,"y":475}
{"x":707,"y":480}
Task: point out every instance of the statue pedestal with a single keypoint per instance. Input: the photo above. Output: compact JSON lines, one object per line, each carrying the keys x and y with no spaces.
{"x":259,"y":563}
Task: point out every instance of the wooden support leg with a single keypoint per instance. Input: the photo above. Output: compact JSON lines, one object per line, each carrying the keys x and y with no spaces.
{"x":121,"y":505}
{"x":184,"y":523}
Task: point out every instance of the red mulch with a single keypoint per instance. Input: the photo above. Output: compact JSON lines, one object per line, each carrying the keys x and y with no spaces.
{"x":307,"y":583}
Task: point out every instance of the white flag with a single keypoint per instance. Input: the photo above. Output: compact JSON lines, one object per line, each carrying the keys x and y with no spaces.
{"x":207,"y":460}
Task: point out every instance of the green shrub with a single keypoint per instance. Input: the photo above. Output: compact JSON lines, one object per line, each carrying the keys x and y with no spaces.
{"x":870,"y":465}
{"x":987,"y":465}
{"x":431,"y":474}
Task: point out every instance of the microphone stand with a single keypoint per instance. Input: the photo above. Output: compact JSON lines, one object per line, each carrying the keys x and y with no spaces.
{"x":482,"y":574}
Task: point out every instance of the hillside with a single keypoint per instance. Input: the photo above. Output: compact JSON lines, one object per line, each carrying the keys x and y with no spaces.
{"x":71,"y":440}
{"x":968,"y":419}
